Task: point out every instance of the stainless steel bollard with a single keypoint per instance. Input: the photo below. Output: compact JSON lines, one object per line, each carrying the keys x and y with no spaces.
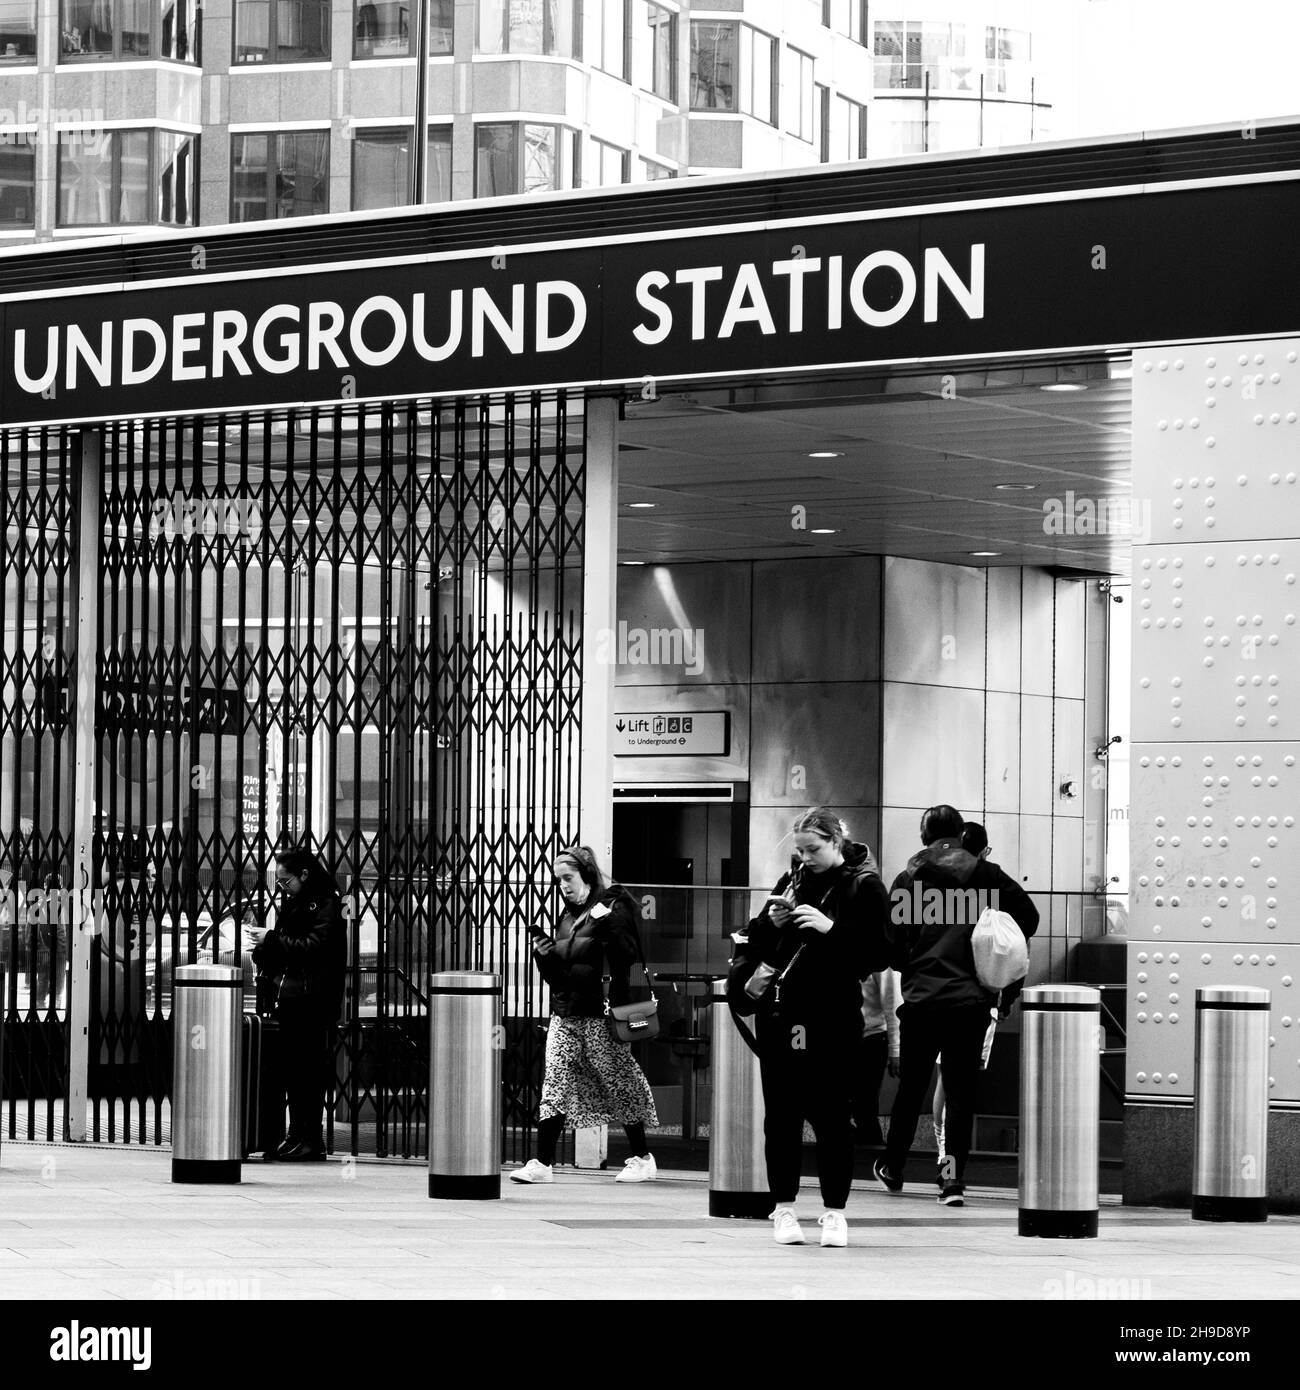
{"x":1060,"y":1110}
{"x":737,"y":1168}
{"x":1230,"y":1157}
{"x":207,"y":1058}
{"x":465,"y":1043}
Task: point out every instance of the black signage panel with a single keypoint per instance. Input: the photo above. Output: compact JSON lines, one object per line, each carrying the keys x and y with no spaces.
{"x":1050,"y":275}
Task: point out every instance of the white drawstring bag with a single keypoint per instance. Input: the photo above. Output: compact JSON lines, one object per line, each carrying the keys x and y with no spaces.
{"x":1001,"y":951}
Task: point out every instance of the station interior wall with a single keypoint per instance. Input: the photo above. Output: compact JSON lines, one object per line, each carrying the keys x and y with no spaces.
{"x":882,"y":685}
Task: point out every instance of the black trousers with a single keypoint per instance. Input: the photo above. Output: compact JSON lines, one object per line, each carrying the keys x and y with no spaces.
{"x":958,"y":1033}
{"x":873,"y":1054}
{"x":305,"y":1059}
{"x":807,"y":1075}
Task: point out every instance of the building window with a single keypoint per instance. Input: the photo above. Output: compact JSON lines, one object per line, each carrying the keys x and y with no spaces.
{"x":654,"y":49}
{"x":605,"y":36}
{"x":846,"y":17}
{"x":713,"y":66}
{"x":279,"y":174}
{"x":386,"y":28}
{"x":1006,"y":57}
{"x":18,"y":179}
{"x":113,"y":178}
{"x":608,"y":165}
{"x":757,"y":74}
{"x":381,"y":167}
{"x":908,"y":53}
{"x":17,"y":31}
{"x":822,"y":101}
{"x":654,"y":173}
{"x":529,"y":26}
{"x":522,"y":157}
{"x":848,"y":130}
{"x":117,"y":30}
{"x":798,"y":83}
{"x":733,"y":68}
{"x":282,"y":31}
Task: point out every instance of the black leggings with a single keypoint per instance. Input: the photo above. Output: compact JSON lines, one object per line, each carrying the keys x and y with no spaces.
{"x":548,"y":1138}
{"x":807,"y":1076}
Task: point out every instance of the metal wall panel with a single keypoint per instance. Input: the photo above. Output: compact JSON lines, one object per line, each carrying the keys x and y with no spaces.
{"x":1068,"y":757}
{"x":1001,"y":752}
{"x":1003,"y":656}
{"x":1035,"y":851}
{"x":1069,"y":639}
{"x":933,"y":739}
{"x":770,"y":840}
{"x":817,"y":620}
{"x":1067,"y":856}
{"x":1215,"y":787}
{"x":934,"y":623}
{"x":1037,"y":793}
{"x":1163,"y":977}
{"x":1216,"y":432}
{"x":1217,"y":652}
{"x":1038,"y":631}
{"x":706,"y":610}
{"x":1214,"y":842}
{"x":815,"y":744}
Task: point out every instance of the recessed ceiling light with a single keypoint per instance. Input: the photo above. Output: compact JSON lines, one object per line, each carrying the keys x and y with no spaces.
{"x":643,"y":504}
{"x":1014,"y":487}
{"x":824,"y":531}
{"x":1064,"y":386}
{"x":826,"y":454}
{"x":984,"y":553}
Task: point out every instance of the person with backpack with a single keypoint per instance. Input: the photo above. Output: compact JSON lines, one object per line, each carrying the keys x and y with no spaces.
{"x":305,"y":957}
{"x":590,"y":1077}
{"x":799,"y":970}
{"x":934,"y":905}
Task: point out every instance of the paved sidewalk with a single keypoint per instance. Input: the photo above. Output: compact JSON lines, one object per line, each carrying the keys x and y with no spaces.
{"x":80,"y":1222}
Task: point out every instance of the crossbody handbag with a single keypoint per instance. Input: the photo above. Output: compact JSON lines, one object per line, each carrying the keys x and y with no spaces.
{"x":631,"y":1023}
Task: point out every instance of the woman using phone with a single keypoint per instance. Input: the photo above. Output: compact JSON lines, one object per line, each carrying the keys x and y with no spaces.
{"x":590,"y":1078}
{"x":799,"y":970}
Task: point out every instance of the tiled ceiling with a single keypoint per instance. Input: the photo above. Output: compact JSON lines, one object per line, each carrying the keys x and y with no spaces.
{"x":918,"y":464}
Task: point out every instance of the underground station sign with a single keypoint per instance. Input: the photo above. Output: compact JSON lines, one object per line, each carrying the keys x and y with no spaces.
{"x":854,"y":289}
{"x":694,"y":733}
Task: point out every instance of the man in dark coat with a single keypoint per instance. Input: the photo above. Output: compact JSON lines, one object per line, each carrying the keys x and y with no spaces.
{"x":934,"y":905}
{"x":305,"y":954}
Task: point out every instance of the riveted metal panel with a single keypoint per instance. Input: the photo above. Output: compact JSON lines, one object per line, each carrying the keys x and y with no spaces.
{"x":1214,"y":842}
{"x":1163,"y":978}
{"x":1217,"y":652}
{"x":934,"y":623}
{"x":1217,"y":442}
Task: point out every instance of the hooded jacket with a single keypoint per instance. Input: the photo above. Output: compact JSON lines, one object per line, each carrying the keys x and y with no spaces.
{"x":823,"y":987}
{"x":932,"y":915}
{"x":602,"y":937}
{"x":306,"y":951}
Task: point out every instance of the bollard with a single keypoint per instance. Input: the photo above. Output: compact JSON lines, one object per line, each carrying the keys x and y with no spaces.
{"x":737,"y":1168}
{"x":1060,"y":1110}
{"x":1230,"y":1157}
{"x":207,"y":1023}
{"x":465,"y":1037}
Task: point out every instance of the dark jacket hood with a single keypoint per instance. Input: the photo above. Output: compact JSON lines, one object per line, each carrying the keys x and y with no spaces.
{"x":945,"y":861}
{"x":857,"y":857}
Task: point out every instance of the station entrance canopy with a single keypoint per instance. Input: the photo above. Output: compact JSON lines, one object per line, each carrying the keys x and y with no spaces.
{"x":232,"y":322}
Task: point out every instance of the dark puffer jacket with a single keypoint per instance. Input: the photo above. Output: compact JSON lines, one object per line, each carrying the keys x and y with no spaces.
{"x":600,"y":938}
{"x":306,"y":951}
{"x":932,"y":948}
{"x":824,"y":985}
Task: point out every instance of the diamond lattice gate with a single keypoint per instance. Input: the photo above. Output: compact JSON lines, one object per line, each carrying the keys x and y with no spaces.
{"x":357,"y":630}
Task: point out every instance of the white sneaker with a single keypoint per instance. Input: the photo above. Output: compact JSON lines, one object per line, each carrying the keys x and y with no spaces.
{"x":533,"y":1171}
{"x":639,"y":1169}
{"x":787,"y":1230}
{"x":835,"y":1230}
